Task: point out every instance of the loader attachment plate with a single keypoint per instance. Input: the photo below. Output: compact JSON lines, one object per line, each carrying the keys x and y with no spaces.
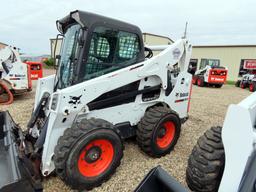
{"x":159,"y":180}
{"x":15,"y":173}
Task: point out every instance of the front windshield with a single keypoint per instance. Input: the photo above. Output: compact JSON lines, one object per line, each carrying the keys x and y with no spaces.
{"x":214,"y":62}
{"x":68,"y":54}
{"x":210,"y":62}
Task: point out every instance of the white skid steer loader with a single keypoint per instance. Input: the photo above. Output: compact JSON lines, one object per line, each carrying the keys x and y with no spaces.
{"x":105,"y":90}
{"x":223,"y":160}
{"x":248,"y":78}
{"x":14,"y":75}
{"x":210,"y":74}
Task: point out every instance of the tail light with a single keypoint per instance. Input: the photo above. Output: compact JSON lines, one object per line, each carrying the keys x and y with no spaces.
{"x":223,"y":73}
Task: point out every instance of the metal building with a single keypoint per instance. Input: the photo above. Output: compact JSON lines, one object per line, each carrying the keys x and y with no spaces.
{"x":152,"y":39}
{"x":231,"y":56}
{"x":55,"y":50}
{"x":2,"y":45}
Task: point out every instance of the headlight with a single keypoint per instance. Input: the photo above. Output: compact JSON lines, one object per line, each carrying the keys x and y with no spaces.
{"x":54,"y":101}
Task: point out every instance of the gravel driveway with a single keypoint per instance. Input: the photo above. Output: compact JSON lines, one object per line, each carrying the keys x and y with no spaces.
{"x":208,"y":107}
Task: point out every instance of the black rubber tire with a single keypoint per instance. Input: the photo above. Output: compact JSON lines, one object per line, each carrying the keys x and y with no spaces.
{"x":206,"y":162}
{"x":148,"y":128}
{"x":218,"y":85}
{"x":72,"y":142}
{"x":237,"y":84}
{"x":202,"y":84}
{"x":243,"y":85}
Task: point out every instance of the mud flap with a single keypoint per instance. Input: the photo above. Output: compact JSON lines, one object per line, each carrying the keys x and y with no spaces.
{"x":159,"y":180}
{"x":15,"y":171}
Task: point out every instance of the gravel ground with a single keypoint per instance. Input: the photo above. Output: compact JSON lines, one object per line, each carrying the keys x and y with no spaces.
{"x":208,"y":108}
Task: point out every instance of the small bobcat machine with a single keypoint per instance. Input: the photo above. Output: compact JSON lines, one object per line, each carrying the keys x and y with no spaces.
{"x":105,"y":90}
{"x":248,"y":79}
{"x":210,"y":74}
{"x":14,"y":75}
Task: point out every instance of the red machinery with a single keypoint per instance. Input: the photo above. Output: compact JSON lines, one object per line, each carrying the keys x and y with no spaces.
{"x":36,"y":69}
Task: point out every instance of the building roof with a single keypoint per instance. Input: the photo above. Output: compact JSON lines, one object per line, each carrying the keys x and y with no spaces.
{"x":3,"y":43}
{"x":159,"y":36}
{"x":219,"y":46}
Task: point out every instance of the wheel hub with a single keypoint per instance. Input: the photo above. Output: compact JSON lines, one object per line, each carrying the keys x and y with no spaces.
{"x":161,"y":133}
{"x":93,"y":154}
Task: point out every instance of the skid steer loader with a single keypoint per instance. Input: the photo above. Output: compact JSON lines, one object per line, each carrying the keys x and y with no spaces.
{"x":105,"y":90}
{"x":14,"y":75}
{"x":223,"y":159}
{"x":210,"y":74}
{"x":248,"y":74}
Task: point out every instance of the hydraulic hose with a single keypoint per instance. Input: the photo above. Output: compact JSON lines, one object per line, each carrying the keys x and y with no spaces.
{"x":5,"y":91}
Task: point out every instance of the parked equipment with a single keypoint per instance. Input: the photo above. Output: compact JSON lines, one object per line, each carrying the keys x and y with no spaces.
{"x":105,"y":90}
{"x":36,"y":69}
{"x":223,"y":159}
{"x":210,"y":74}
{"x":14,"y":75}
{"x":249,"y":76}
{"x":216,"y":164}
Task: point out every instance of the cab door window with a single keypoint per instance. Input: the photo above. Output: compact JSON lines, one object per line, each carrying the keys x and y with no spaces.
{"x":110,"y":50}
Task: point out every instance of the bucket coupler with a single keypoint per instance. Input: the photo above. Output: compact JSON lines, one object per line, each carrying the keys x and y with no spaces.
{"x":159,"y":180}
{"x":17,"y":171}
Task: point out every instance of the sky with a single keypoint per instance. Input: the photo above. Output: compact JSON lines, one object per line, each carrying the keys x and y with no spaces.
{"x":29,"y":24}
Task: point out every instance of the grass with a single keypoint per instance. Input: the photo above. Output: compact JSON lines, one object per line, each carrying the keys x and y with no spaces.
{"x":47,"y":66}
{"x":230,"y":82}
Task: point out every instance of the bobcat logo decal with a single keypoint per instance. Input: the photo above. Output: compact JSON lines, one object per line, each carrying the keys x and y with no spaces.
{"x":75,"y":100}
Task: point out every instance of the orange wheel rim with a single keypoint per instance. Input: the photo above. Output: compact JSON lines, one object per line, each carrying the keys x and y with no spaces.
{"x":194,"y":80}
{"x":95,"y":157}
{"x":199,"y":82}
{"x":165,"y":135}
{"x":251,"y":87}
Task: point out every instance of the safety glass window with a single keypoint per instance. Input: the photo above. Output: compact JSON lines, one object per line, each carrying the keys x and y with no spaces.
{"x":128,"y":45}
{"x":110,"y":50}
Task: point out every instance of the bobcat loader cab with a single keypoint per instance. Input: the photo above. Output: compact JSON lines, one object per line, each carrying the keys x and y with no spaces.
{"x":105,"y":90}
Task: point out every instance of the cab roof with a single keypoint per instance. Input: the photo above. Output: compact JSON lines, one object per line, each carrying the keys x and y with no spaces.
{"x":87,"y":20}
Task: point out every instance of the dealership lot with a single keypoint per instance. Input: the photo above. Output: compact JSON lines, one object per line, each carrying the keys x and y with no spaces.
{"x":208,"y":108}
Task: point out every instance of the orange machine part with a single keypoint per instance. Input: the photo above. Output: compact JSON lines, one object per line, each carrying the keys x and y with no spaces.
{"x":217,"y":76}
{"x":36,"y":69}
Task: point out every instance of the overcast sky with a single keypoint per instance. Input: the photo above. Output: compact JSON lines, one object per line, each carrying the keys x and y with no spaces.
{"x":29,"y":24}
